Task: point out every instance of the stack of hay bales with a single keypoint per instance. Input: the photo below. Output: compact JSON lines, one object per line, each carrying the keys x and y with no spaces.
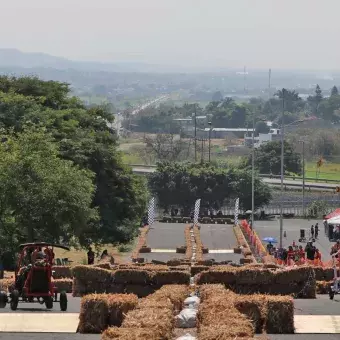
{"x":245,"y":249}
{"x":153,"y":317}
{"x":269,"y":314}
{"x":63,"y":285}
{"x":323,"y":287}
{"x":62,"y":272}
{"x":200,"y":249}
{"x":218,"y":318}
{"x":141,"y":242}
{"x":139,"y":280}
{"x":299,"y":281}
{"x":89,"y":279}
{"x":98,"y":311}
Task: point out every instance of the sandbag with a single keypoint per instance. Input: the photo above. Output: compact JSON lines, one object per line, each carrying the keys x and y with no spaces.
{"x":192,"y":302}
{"x":186,"y":318}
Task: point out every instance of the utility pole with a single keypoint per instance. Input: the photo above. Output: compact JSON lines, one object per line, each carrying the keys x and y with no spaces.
{"x":269,"y":81}
{"x":195,"y":135}
{"x":303,"y":178}
{"x":209,"y":123}
{"x":253,"y":175}
{"x":282,"y":165}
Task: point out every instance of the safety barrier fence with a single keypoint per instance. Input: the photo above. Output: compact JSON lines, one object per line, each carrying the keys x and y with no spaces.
{"x":262,"y":252}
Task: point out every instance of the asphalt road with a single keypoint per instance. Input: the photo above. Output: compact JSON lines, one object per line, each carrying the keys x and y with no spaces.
{"x":292,"y":228}
{"x":73,"y":306}
{"x":166,"y":235}
{"x":223,"y":257}
{"x":218,"y":236}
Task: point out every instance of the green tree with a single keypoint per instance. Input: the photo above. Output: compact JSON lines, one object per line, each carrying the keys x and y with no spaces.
{"x":316,"y":99}
{"x":334,"y":91}
{"x":261,"y":127}
{"x":217,"y":96}
{"x":181,"y":184}
{"x":83,"y":137}
{"x":268,"y":159}
{"x":43,"y":197}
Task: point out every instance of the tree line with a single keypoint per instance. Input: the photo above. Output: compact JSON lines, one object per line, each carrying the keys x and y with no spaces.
{"x":61,"y":174}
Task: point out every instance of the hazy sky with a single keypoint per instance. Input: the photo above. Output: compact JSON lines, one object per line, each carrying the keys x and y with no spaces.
{"x":226,"y":33}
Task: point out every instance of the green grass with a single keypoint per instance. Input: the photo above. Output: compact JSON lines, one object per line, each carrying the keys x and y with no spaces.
{"x":327,"y":171}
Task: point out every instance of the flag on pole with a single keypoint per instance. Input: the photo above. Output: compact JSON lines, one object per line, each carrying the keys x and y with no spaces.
{"x":197,"y":210}
{"x":151,"y":211}
{"x":237,"y":206}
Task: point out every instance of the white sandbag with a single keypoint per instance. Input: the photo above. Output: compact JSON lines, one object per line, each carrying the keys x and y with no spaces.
{"x":186,"y":337}
{"x":186,"y":318}
{"x":192,"y":302}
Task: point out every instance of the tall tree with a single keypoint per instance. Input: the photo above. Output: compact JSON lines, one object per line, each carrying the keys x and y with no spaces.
{"x":268,"y":159}
{"x":334,"y":91}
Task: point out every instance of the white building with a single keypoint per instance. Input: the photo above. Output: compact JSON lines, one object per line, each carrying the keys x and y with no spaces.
{"x":272,"y":135}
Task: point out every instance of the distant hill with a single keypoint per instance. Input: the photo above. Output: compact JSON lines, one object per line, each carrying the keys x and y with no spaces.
{"x":13,"y":58}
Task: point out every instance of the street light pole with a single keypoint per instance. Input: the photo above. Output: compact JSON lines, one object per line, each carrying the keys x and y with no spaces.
{"x":282,"y":165}
{"x":303,"y":178}
{"x":209,"y":123}
{"x":253,"y":175}
{"x":195,"y":135}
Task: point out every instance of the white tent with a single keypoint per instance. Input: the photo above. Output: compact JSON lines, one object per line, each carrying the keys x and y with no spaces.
{"x":334,"y":220}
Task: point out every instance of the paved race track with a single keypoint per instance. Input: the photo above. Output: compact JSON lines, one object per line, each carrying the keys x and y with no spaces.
{"x":72,"y":307}
{"x":218,"y":236}
{"x":223,"y":257}
{"x":292,"y":228}
{"x":166,"y":235}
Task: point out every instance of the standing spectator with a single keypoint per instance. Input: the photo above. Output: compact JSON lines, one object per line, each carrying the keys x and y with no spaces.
{"x":312,"y":231}
{"x":310,"y":251}
{"x":316,"y":230}
{"x":317,"y":256}
{"x":90,"y":256}
{"x":270,"y":248}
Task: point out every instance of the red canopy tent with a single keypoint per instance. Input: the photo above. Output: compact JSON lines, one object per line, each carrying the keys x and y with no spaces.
{"x":334,"y":213}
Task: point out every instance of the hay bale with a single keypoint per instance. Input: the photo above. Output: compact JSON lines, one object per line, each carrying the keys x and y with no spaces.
{"x":136,"y":277}
{"x":226,"y":332}
{"x":94,"y":311}
{"x":255,"y":308}
{"x":280,"y":315}
{"x":63,"y":285}
{"x":115,"y":333}
{"x":175,"y":293}
{"x":171,"y":277}
{"x":198,"y":269}
{"x":323,"y":287}
{"x":154,"y":302}
{"x":103,"y":265}
{"x":7,"y":285}
{"x":62,"y":272}
{"x":181,"y":250}
{"x":118,"y":306}
{"x":115,"y":289}
{"x":207,"y":291}
{"x":140,"y":290}
{"x":145,"y":249}
{"x":160,"y":321}
{"x":296,"y":274}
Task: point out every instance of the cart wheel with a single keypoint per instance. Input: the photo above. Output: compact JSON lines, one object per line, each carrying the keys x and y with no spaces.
{"x":63,"y":301}
{"x":300,"y":240}
{"x":14,"y":300}
{"x":49,"y":302}
{"x":3,"y":299}
{"x":331,"y":294}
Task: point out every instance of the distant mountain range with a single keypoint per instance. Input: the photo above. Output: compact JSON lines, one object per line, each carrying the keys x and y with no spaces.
{"x":13,"y":58}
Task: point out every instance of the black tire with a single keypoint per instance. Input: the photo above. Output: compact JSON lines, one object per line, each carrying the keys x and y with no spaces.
{"x":331,"y":294}
{"x":3,"y":299}
{"x":14,"y":300}
{"x":300,"y":240}
{"x":49,"y":302}
{"x":63,"y":301}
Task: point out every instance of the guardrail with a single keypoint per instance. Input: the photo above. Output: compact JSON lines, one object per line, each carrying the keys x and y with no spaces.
{"x":298,"y":178}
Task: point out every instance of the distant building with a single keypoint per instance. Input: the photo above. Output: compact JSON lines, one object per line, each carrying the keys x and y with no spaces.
{"x":272,"y":135}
